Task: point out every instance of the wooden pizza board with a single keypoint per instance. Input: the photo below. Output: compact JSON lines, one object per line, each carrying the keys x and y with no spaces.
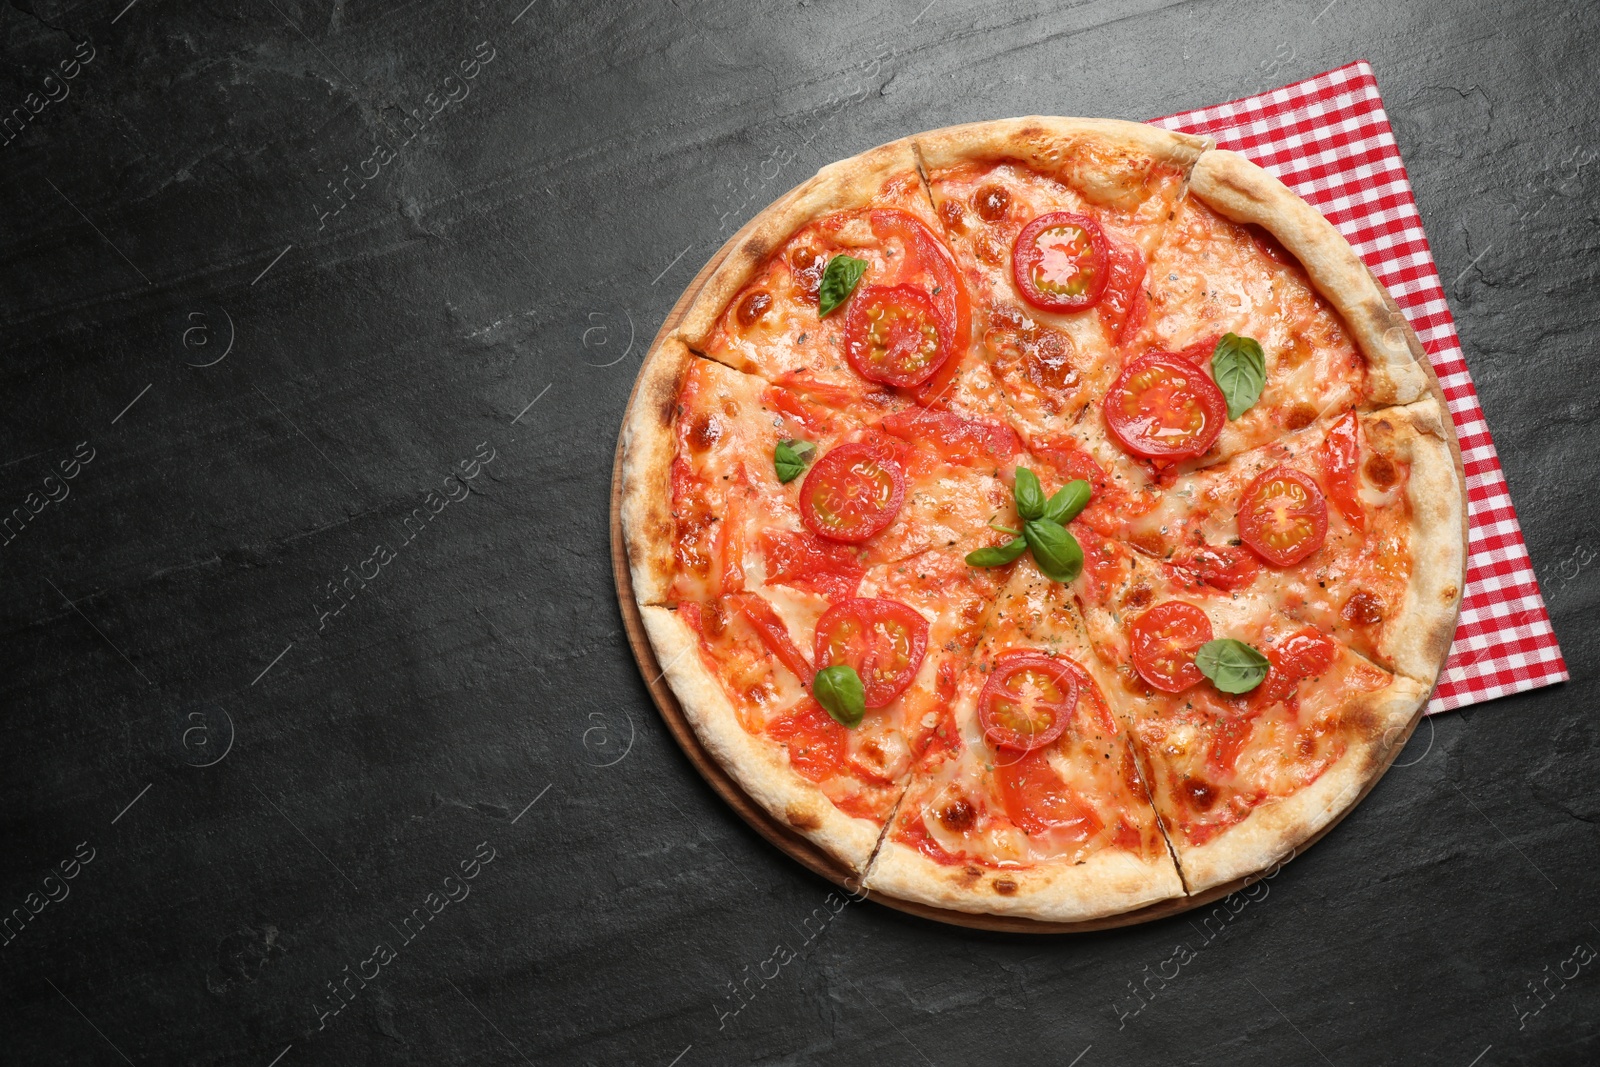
{"x":801,"y":849}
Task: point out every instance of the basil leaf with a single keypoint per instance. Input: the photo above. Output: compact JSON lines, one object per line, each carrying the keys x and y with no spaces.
{"x":838,"y":690}
{"x":1056,"y":551}
{"x":1232,"y":666}
{"x":997,"y":555}
{"x":1240,"y":369}
{"x":1070,"y":499}
{"x":790,"y":457}
{"x":838,"y":282}
{"x":1029,"y":494}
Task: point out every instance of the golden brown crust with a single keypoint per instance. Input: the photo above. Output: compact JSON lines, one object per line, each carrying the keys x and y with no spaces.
{"x":1238,"y":189}
{"x":1421,"y":435}
{"x":1275,"y":830}
{"x":648,"y":443}
{"x":1105,"y":159}
{"x":760,"y":767}
{"x":850,"y":183}
{"x":1108,"y":882}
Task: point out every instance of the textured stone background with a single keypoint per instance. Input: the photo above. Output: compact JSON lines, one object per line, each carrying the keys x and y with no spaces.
{"x":299,"y":783}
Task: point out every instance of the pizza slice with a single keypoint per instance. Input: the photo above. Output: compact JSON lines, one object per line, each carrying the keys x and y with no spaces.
{"x":1351,"y":524}
{"x":1053,"y":222}
{"x":845,"y":291}
{"x":1247,"y":259}
{"x":1255,"y":729}
{"x":759,"y":569}
{"x":1027,"y":800}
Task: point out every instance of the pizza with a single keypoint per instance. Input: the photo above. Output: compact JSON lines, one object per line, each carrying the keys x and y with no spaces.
{"x":1047,"y":518}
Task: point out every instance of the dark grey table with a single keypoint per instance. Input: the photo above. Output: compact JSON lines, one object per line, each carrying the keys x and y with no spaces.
{"x":331,"y":310}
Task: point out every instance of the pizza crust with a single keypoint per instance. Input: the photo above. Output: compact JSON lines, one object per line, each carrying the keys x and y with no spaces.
{"x":1054,"y":146}
{"x":1238,"y":189}
{"x":649,"y":442}
{"x":1421,"y":435}
{"x":1108,"y":882}
{"x":1272,"y":832}
{"x":760,"y":767}
{"x":849,"y":183}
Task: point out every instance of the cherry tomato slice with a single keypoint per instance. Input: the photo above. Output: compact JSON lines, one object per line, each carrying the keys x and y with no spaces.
{"x":1340,"y":453}
{"x":1037,"y":801}
{"x":883,"y":640}
{"x":1219,"y":566}
{"x":817,"y":746}
{"x":1164,"y":408}
{"x":1059,"y":262}
{"x":773,"y":633}
{"x":892,"y":335}
{"x":926,"y":254}
{"x":1165,"y":639}
{"x":1027,"y":701}
{"x":1301,"y":655}
{"x":1122,"y":305}
{"x":851,"y":493}
{"x":1283,"y":516}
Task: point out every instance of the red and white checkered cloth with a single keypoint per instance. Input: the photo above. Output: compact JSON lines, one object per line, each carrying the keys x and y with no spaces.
{"x":1328,"y":139}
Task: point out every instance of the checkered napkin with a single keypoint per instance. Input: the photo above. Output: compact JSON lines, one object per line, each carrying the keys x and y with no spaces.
{"x":1328,"y":139}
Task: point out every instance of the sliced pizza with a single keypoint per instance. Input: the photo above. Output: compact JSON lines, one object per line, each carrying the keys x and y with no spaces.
{"x":845,"y":290}
{"x":1256,"y":730}
{"x":1028,"y":800}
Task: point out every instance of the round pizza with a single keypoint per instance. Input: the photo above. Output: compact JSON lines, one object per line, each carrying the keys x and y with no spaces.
{"x":1045,"y":517}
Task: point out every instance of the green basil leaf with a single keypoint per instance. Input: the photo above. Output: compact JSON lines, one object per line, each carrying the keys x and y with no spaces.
{"x":1070,"y":499}
{"x":997,"y":555}
{"x":1232,"y":666}
{"x":1056,"y":551}
{"x":1240,"y":369}
{"x":838,"y":282}
{"x":1029,"y":494}
{"x":791,"y":457}
{"x":838,"y":690}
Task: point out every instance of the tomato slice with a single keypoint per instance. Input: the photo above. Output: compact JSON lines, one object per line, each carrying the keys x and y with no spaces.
{"x":1219,"y":566}
{"x":817,"y":745}
{"x":1165,"y":640}
{"x":1341,"y":451}
{"x":1038,"y":801}
{"x":773,"y":633}
{"x":955,"y":438}
{"x":926,"y":255}
{"x":1164,"y":408}
{"x":852,"y":492}
{"x":1059,"y":262}
{"x":1122,"y":305}
{"x":801,"y":560}
{"x":883,"y":640}
{"x":893,"y":335}
{"x":1301,"y":655}
{"x":1201,"y":351}
{"x":1027,"y":701}
{"x":1283,"y":516}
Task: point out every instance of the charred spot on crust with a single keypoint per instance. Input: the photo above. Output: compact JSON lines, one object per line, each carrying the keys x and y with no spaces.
{"x":1449,"y":593}
{"x":801,"y":819}
{"x":1005,"y":886}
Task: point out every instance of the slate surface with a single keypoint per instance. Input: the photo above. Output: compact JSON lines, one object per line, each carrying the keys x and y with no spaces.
{"x":305,"y":766}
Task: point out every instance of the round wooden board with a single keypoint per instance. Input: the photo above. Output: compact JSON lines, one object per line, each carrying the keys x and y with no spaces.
{"x":801,"y":849}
